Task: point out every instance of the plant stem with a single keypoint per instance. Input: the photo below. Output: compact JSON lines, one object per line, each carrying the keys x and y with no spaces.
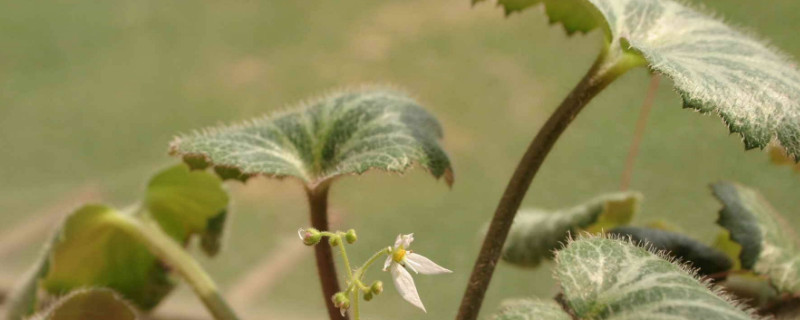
{"x":318,"y":205}
{"x":171,"y":253}
{"x":604,"y":71}
{"x":344,"y":256}
{"x":638,"y":133}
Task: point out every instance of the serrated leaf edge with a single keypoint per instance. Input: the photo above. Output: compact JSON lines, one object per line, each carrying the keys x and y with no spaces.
{"x":448,"y":174}
{"x":683,"y":266}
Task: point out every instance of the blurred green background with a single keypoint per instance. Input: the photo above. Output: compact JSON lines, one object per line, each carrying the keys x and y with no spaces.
{"x":92,"y":92}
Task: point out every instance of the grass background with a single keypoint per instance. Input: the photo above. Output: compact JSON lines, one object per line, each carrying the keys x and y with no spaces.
{"x":92,"y":92}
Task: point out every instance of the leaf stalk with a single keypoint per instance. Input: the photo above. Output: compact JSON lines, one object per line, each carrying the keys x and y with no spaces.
{"x":326,"y":269}
{"x":606,"y":68}
{"x":169,"y":251}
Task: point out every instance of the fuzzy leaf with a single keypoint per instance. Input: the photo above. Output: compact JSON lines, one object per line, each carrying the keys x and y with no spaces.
{"x":612,"y":279}
{"x":185,"y":203}
{"x":90,"y":304}
{"x":769,"y":247}
{"x":90,"y":251}
{"x":531,"y":309}
{"x":345,"y":133}
{"x":535,"y":234}
{"x":707,"y":260}
{"x":715,"y":68}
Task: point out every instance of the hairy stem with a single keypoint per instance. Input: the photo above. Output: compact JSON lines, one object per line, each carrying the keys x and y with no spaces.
{"x":638,"y":133}
{"x":318,"y":205}
{"x":169,"y":251}
{"x":605,"y":69}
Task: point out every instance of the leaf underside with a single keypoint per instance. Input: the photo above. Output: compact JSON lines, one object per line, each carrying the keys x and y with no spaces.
{"x":344,"y":133}
{"x":715,"y":68}
{"x":89,"y":304}
{"x":606,"y":278}
{"x":769,"y":247}
{"x":531,"y":309}
{"x":535,"y":234}
{"x":89,"y":250}
{"x":707,"y":260}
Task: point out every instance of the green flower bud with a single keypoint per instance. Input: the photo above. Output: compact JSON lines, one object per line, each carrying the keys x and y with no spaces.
{"x":341,"y":301}
{"x":368,"y":296}
{"x":350,"y":236}
{"x":376,"y":287}
{"x":309,"y":236}
{"x":334,"y":241}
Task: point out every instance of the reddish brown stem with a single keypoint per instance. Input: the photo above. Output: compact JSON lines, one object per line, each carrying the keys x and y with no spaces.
{"x":318,"y":204}
{"x":599,"y":76}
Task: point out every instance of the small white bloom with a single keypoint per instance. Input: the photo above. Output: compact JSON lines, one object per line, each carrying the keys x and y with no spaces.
{"x":402,"y":258}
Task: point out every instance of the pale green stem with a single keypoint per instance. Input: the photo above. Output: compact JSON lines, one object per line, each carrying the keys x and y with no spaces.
{"x":344,"y":257}
{"x":356,"y":297}
{"x":171,"y":253}
{"x":360,"y":272}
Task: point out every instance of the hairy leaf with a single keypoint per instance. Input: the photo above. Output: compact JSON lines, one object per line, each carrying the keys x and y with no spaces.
{"x":531,"y":309}
{"x":613,"y":279}
{"x":769,"y":247}
{"x":707,"y":260}
{"x":344,"y":133}
{"x":186,"y":203}
{"x":90,"y":251}
{"x":89,"y":304}
{"x":535,"y":234}
{"x":715,"y":68}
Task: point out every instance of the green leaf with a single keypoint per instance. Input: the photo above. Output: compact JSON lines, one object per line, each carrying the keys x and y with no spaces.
{"x":90,"y":251}
{"x":707,"y":260}
{"x":574,"y":15}
{"x":612,"y":279}
{"x":769,"y":247}
{"x":715,"y":68}
{"x":535,"y":234}
{"x":344,"y":133}
{"x":531,"y":309}
{"x":186,"y":202}
{"x":89,"y":304}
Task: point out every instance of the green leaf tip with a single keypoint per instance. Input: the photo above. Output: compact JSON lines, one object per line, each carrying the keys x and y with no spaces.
{"x":348,"y":132}
{"x":535,"y":234}
{"x":768,"y":246}
{"x":715,"y":68}
{"x":94,"y":304}
{"x":604,"y":277}
{"x":187,"y":203}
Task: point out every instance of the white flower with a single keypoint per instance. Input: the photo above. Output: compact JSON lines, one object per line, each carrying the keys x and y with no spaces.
{"x":402,"y":258}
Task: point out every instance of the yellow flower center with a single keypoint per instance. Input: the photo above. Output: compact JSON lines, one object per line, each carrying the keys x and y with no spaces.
{"x":398,"y":255}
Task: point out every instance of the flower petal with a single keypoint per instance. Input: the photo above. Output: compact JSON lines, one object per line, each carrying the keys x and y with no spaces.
{"x":398,"y":241}
{"x":387,"y":263}
{"x":405,"y":286}
{"x":423,"y":265}
{"x":407,"y":240}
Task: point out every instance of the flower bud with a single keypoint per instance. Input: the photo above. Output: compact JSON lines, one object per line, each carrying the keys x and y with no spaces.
{"x":334,"y":241}
{"x":350,"y":236}
{"x":309,"y":236}
{"x":368,"y":296}
{"x":341,"y":301}
{"x":376,"y":287}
